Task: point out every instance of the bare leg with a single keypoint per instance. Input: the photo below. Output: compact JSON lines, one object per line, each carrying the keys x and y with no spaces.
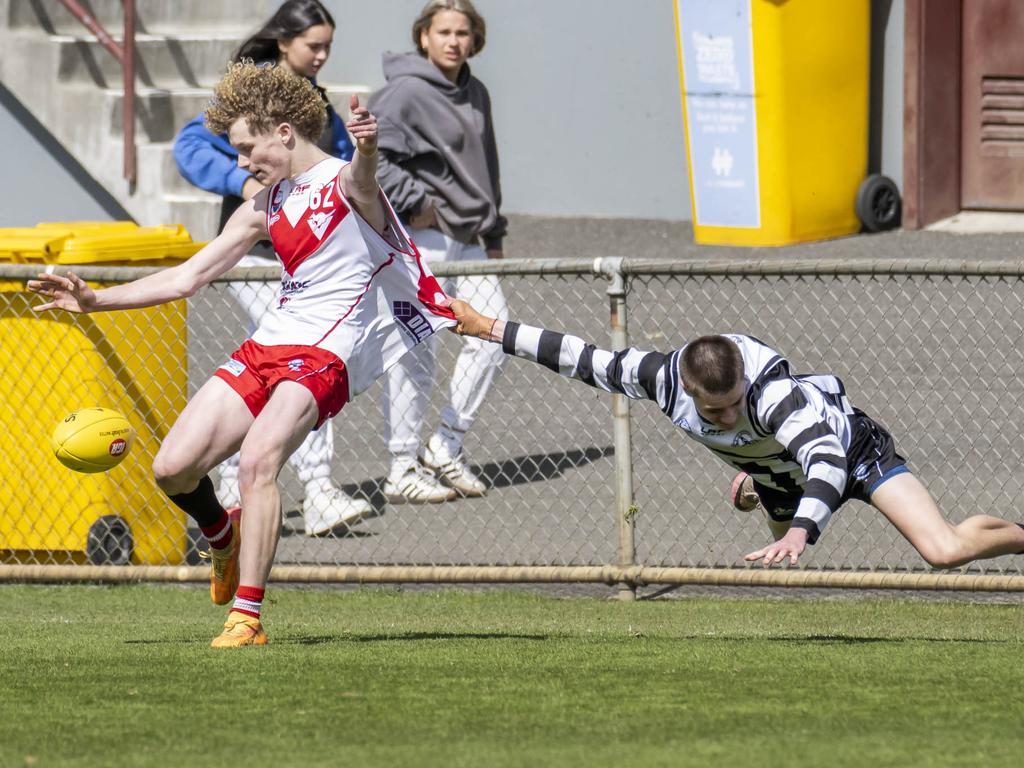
{"x":908,"y":506}
{"x":209,"y":430}
{"x":280,"y":428}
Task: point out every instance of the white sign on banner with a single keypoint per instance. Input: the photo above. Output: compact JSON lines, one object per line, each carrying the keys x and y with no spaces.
{"x":718,"y":65}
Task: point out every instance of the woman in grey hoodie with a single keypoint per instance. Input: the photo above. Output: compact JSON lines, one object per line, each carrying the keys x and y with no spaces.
{"x":438,"y":165}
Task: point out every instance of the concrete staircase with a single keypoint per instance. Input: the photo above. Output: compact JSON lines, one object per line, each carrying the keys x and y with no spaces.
{"x":72,"y":85}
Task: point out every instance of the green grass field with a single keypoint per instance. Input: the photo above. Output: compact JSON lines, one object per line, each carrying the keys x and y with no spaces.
{"x":112,"y":676}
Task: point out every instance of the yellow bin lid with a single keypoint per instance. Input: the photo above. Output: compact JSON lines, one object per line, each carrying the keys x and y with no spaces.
{"x":96,"y":242}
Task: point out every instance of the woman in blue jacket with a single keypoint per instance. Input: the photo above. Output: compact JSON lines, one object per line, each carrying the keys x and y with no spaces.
{"x":297,"y":37}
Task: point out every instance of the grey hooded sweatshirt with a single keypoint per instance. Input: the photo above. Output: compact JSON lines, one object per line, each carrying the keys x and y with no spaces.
{"x":436,"y":143}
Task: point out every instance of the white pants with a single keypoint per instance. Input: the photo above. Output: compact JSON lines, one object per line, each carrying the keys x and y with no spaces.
{"x":407,"y":385}
{"x":312,"y":460}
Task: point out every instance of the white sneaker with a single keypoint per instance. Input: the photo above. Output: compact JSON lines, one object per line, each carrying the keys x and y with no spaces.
{"x":417,"y":486}
{"x":332,"y":511}
{"x":452,"y":470}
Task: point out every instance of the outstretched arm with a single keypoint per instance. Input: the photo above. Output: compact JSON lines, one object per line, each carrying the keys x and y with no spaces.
{"x":71,"y":293}
{"x":631,"y":372}
{"x":359,"y":178}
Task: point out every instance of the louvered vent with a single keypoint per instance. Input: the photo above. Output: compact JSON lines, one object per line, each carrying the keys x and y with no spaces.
{"x":1002,"y":115}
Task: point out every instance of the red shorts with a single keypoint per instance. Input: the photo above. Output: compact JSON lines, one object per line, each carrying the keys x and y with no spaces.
{"x":254,"y":370}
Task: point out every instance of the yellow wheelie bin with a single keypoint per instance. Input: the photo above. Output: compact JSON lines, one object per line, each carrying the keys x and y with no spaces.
{"x":775,"y":105}
{"x":56,"y":362}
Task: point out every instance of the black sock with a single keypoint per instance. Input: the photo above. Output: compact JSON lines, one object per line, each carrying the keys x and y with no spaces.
{"x":201,"y":504}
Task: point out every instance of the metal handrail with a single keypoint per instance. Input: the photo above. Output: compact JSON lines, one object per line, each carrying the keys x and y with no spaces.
{"x":125,"y":55}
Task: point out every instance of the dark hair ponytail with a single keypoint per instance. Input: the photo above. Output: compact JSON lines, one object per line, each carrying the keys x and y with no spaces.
{"x":292,"y":19}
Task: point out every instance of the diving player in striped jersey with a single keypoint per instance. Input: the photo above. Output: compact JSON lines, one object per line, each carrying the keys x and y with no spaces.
{"x":801,"y":448}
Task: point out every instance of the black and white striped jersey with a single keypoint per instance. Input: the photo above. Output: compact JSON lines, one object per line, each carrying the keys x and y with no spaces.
{"x":793,"y":435}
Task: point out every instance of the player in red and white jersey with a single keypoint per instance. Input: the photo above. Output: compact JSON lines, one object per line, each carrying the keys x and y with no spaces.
{"x":338,"y":272}
{"x":354,"y":297}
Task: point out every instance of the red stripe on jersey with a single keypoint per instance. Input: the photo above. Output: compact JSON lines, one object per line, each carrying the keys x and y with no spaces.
{"x":359,"y":298}
{"x":428,"y":288}
{"x":325,"y":210}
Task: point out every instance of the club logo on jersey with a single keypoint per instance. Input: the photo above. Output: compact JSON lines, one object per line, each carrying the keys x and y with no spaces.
{"x":742,"y":438}
{"x":861,"y":471}
{"x":319,"y":222}
{"x":412,"y":320}
{"x":234,"y":367}
{"x":296,"y":365}
{"x":277,"y":202}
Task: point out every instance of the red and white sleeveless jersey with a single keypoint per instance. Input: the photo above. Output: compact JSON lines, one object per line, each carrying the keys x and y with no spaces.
{"x":344,"y":288}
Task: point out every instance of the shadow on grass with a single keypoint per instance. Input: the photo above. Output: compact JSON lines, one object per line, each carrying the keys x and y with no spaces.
{"x":843,"y":639}
{"x":403,"y":637}
{"x":345,"y":638}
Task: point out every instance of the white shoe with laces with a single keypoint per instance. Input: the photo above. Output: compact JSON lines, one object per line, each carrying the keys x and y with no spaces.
{"x":330,"y":510}
{"x":416,"y":486}
{"x":451,"y":470}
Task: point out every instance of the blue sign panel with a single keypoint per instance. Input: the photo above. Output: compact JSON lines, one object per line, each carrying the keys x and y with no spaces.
{"x":718,"y":66}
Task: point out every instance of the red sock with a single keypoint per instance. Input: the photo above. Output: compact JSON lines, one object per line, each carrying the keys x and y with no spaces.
{"x":220,"y":533}
{"x":248,"y":600}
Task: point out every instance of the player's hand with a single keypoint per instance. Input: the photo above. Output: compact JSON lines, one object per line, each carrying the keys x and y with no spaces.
{"x":362,"y":126}
{"x":69,"y":293}
{"x":791,"y":545}
{"x":469,"y":321}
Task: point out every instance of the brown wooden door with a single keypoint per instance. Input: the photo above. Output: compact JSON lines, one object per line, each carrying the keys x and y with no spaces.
{"x":992,"y":105}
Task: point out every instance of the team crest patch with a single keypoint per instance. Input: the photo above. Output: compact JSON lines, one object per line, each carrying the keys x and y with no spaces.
{"x":319,"y":222}
{"x":234,"y":367}
{"x":277,"y":202}
{"x":296,"y":365}
{"x":742,"y":438}
{"x":412,"y":320}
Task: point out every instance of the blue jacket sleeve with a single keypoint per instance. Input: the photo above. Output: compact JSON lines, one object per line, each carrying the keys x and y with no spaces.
{"x":341,"y":144}
{"x":207,"y":161}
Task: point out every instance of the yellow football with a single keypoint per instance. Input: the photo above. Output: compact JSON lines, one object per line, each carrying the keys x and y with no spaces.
{"x":92,"y":439}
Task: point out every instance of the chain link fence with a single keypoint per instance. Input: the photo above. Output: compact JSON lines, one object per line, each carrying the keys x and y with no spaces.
{"x":931,"y":350}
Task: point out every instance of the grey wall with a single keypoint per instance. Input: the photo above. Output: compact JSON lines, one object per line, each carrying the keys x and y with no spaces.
{"x":49,"y":183}
{"x":886,"y":147}
{"x":586,"y":98}
{"x":892,"y":99}
{"x":587,"y":101}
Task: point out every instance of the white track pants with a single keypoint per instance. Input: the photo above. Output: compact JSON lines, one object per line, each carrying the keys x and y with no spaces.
{"x":407,"y":386}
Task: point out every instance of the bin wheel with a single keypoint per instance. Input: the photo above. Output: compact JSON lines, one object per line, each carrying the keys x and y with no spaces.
{"x":878,"y":203}
{"x":110,"y":541}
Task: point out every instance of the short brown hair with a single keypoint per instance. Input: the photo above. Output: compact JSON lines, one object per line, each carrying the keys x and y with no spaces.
{"x":465,"y":7}
{"x":711,"y":365}
{"x":266,"y":96}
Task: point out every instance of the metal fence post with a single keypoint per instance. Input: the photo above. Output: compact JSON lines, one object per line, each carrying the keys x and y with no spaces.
{"x":621,"y":426}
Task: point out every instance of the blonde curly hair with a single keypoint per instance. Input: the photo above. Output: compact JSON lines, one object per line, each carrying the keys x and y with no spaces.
{"x":266,"y":96}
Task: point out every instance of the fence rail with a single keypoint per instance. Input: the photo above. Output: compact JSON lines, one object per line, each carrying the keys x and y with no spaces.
{"x":583,"y":486}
